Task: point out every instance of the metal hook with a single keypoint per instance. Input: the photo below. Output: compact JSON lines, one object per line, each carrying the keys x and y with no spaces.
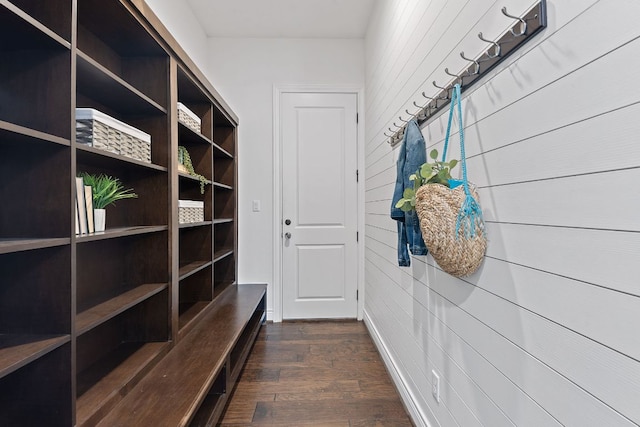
{"x":388,"y":136}
{"x":477,"y":64}
{"x":446,"y":70}
{"x":399,"y":127}
{"x":428,"y":97}
{"x":445,"y":89}
{"x":420,"y":114}
{"x":523,"y":23}
{"x":403,"y":120}
{"x":439,"y":87}
{"x":496,"y":47}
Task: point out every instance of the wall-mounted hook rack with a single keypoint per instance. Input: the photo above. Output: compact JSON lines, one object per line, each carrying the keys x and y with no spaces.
{"x":520,"y":32}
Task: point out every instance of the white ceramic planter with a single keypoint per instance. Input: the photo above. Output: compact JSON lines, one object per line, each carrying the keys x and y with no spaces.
{"x":99,"y":218}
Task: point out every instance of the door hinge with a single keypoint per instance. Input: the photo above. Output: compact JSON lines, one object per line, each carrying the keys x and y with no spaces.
{"x":357,"y":175}
{"x":357,"y":236}
{"x":357,"y":295}
{"x":357,"y":118}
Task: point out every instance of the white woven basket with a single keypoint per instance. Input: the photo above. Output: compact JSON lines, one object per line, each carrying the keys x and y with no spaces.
{"x":189,"y":118}
{"x":102,"y":131}
{"x":190,"y":211}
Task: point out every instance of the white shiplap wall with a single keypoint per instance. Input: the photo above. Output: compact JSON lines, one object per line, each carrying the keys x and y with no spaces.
{"x":545,"y":333}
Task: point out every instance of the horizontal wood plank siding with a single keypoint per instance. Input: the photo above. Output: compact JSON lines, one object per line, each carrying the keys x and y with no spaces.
{"x":544,"y":333}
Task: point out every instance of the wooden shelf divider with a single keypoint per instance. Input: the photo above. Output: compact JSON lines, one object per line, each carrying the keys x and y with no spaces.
{"x":18,"y":350}
{"x":106,"y":310}
{"x":222,"y":253}
{"x":192,"y":268}
{"x":10,"y":245}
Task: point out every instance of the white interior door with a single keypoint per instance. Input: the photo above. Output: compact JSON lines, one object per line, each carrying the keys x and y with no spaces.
{"x":319,"y":205}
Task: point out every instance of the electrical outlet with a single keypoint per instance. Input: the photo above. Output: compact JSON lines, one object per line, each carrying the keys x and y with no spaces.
{"x":435,"y":385}
{"x":256,"y":205}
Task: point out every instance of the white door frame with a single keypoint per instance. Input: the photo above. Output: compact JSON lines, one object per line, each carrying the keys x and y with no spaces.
{"x":278,"y":90}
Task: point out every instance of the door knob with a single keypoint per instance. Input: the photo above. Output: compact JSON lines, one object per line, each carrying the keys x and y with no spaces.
{"x":287,"y":221}
{"x":287,"y":235}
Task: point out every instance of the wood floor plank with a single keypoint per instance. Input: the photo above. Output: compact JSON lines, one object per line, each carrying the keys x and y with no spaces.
{"x":300,"y":387}
{"x":327,"y":410}
{"x":315,"y":373}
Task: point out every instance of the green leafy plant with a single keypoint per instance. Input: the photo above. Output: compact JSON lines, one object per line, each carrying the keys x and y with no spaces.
{"x":185,"y":160}
{"x":106,"y":190}
{"x":428,"y":173}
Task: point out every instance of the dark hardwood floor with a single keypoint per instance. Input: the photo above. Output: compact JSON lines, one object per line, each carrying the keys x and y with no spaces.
{"x":316,"y":373}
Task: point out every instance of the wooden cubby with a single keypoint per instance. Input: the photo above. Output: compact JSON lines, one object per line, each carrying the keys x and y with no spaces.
{"x":86,"y":318}
{"x":195,"y":241}
{"x":53,"y":14}
{"x":39,"y":393}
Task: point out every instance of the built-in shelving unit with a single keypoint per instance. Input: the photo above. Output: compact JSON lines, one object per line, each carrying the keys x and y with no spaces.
{"x":83,"y":318}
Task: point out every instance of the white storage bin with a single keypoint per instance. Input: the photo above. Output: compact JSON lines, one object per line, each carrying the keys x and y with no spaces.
{"x":102,"y":131}
{"x":190,"y":211}
{"x":189,"y":118}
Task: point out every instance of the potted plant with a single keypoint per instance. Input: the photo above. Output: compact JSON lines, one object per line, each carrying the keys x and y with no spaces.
{"x":429,"y":173}
{"x":106,"y":191}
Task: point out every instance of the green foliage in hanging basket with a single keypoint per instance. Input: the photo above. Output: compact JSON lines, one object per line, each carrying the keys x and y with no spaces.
{"x":428,"y":173}
{"x":106,"y":190}
{"x":185,"y":160}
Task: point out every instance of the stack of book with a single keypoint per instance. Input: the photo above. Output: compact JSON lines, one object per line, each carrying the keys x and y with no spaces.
{"x":84,"y":208}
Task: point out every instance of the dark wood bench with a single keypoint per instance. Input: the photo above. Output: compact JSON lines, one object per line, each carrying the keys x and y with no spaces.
{"x":191,"y":384}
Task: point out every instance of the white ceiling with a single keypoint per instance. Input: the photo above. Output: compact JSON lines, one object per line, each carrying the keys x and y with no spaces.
{"x":283,"y":18}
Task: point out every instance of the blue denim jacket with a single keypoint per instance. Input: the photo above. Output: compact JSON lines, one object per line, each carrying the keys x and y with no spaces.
{"x":413,"y":154}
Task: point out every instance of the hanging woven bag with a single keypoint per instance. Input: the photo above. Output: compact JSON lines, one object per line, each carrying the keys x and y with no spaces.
{"x":451,"y":219}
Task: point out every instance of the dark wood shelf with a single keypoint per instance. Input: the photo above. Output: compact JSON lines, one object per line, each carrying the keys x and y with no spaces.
{"x":26,"y":32}
{"x":106,"y":310}
{"x":10,"y":245}
{"x":100,"y":387}
{"x":102,"y":158}
{"x":115,"y":233}
{"x":218,"y":151}
{"x":222,"y":220}
{"x":222,"y":253}
{"x":195,"y":224}
{"x":55,"y":15}
{"x":241,"y":349}
{"x":222,"y":186}
{"x":186,"y":134}
{"x":195,"y":179}
{"x":24,"y":135}
{"x":192,"y":268}
{"x":18,"y":350}
{"x":100,"y":84}
{"x":114,"y":25}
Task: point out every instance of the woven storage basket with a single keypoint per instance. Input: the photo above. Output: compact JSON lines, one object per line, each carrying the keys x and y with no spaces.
{"x":189,"y":118}
{"x":190,"y":211}
{"x":437,"y":207}
{"x":101,"y":131}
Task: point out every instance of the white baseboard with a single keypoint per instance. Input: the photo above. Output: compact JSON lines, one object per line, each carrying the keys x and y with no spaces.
{"x":405,"y":394}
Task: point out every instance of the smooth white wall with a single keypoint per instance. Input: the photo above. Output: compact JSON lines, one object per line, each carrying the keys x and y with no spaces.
{"x":244,"y":71}
{"x":545,"y":333}
{"x":182,"y":23}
